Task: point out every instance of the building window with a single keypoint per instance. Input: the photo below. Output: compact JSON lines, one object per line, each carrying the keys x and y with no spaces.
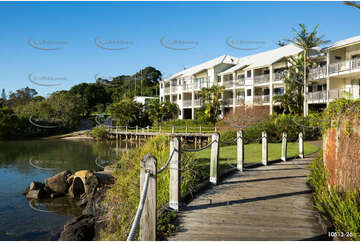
{"x":180,"y":96}
{"x":161,"y":99}
{"x":161,"y":85}
{"x":249,"y":73}
{"x":265,"y":91}
{"x":249,"y":92}
{"x":319,"y":87}
{"x":179,"y":82}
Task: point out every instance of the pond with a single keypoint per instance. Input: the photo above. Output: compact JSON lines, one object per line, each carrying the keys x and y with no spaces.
{"x":22,"y":162}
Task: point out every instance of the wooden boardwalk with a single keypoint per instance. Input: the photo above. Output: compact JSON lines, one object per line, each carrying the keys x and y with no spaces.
{"x":264,"y":203}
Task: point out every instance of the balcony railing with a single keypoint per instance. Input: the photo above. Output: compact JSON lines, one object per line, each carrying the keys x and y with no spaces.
{"x":321,"y":96}
{"x":187,"y":103}
{"x":240,"y":82}
{"x":261,"y":79}
{"x":317,"y":73}
{"x":261,"y":99}
{"x":228,"y":84}
{"x":279,"y":76}
{"x":166,"y":90}
{"x":198,"y":102}
{"x":346,"y":65}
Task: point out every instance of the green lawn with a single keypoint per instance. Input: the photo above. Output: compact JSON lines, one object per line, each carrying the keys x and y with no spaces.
{"x":253,"y":153}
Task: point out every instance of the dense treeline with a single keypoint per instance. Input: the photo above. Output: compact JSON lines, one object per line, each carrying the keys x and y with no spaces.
{"x":23,"y":113}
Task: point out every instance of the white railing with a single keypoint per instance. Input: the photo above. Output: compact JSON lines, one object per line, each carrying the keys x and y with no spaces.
{"x":319,"y":96}
{"x":317,"y":73}
{"x":228,"y":84}
{"x":187,"y":103}
{"x":240,"y":82}
{"x":279,"y":76}
{"x":352,"y":92}
{"x":198,"y":102}
{"x":261,"y":79}
{"x":261,"y":99}
{"x":166,"y":90}
{"x":346,"y":65}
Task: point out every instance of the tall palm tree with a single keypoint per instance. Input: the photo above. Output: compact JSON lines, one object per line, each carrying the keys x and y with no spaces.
{"x":306,"y":41}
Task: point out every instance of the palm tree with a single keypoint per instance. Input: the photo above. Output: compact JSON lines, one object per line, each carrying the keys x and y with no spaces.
{"x":306,"y":41}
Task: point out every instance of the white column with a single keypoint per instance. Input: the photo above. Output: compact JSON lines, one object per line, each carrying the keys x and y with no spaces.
{"x":271,"y":90}
{"x":328,"y":78}
{"x":234,"y":91}
{"x":193,"y":96}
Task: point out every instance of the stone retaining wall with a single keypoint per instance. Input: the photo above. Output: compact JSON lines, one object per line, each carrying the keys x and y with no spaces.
{"x":341,"y":153}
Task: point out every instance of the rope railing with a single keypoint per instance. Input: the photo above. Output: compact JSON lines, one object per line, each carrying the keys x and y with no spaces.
{"x":146,"y":215}
{"x":199,"y":149}
{"x":138,"y":215}
{"x":167,"y":162}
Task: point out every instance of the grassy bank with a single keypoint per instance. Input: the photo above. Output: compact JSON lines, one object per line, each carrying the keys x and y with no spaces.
{"x":340,"y":210}
{"x":253,"y":153}
{"x":122,"y":199}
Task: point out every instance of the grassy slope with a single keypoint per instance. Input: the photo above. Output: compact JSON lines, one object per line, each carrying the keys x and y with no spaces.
{"x":253,"y":153}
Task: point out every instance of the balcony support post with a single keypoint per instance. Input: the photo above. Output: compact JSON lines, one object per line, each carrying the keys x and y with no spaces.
{"x":234,"y":91}
{"x":328,"y":78}
{"x":271,"y":90}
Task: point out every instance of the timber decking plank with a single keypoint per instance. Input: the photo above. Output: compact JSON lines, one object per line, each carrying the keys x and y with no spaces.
{"x":264,"y":203}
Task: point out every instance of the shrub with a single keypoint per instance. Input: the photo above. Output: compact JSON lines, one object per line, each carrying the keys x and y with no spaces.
{"x":340,"y":210}
{"x":99,"y":133}
{"x":228,"y":136}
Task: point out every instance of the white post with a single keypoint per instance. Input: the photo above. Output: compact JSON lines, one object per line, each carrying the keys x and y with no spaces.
{"x":284,"y":147}
{"x":126,"y":129}
{"x":136,"y":129}
{"x":172,"y":129}
{"x":240,"y":150}
{"x":300,"y":141}
{"x":175,"y":174}
{"x":148,"y":221}
{"x":264,"y":148}
{"x":186,"y":129}
{"x":214,"y":166}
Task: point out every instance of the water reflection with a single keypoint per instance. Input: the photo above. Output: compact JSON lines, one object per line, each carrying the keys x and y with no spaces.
{"x":18,"y":220}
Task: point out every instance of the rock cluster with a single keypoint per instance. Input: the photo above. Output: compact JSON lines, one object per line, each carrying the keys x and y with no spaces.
{"x":87,"y":186}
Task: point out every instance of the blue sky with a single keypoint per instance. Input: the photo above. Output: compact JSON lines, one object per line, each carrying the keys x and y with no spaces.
{"x":139,"y":26}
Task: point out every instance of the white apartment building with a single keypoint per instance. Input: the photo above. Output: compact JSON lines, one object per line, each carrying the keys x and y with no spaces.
{"x":257,"y":79}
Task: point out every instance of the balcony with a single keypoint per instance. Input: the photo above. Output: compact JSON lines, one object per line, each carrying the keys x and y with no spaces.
{"x":187,"y":103}
{"x":346,"y":65}
{"x":279,"y":76}
{"x":228,"y":84}
{"x":198,"y":102}
{"x":228,"y":101}
{"x":352,"y":92}
{"x":334,"y":94}
{"x":240,"y":82}
{"x":317,"y":73}
{"x":261,"y":99}
{"x":166,"y":90}
{"x":261,"y":79}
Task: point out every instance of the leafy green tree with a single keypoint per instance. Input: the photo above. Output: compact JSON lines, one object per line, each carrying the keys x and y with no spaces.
{"x":8,"y":122}
{"x":159,"y":112}
{"x":292,"y":100}
{"x":306,"y":41}
{"x":91,"y":95}
{"x":21,"y":96}
{"x":211,"y":104}
{"x":127,"y":113}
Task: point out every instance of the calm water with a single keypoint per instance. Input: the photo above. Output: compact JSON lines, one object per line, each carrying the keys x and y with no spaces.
{"x":22,"y":162}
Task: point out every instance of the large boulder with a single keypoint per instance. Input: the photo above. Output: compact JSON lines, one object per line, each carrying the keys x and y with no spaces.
{"x":58,"y":183}
{"x":77,"y":188}
{"x":80,"y":228}
{"x":37,"y":194}
{"x":105,"y":177}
